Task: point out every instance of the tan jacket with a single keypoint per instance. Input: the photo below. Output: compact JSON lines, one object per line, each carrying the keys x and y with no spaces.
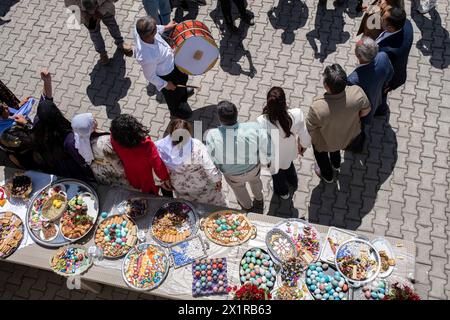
{"x":104,"y":7}
{"x":333,"y":120}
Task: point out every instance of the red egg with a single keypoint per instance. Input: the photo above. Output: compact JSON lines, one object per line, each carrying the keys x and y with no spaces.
{"x":214,"y":266}
{"x":220,"y":266}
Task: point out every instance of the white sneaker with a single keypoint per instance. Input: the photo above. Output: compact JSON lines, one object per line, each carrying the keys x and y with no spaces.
{"x":285,"y":196}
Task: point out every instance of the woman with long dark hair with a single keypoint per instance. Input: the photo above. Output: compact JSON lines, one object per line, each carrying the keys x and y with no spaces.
{"x":139,"y":155}
{"x":53,"y":139}
{"x":289,"y":137}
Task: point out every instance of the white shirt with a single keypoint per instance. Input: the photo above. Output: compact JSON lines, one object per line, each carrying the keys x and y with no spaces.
{"x":285,"y":148}
{"x":156,"y":59}
{"x":385,"y":34}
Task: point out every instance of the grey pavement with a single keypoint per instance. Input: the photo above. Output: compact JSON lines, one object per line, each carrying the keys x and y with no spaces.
{"x":398,"y":187}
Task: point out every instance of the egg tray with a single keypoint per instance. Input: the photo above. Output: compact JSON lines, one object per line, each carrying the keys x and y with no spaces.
{"x":207,"y":291}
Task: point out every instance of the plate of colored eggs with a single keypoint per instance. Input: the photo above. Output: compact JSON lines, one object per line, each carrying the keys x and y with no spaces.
{"x":209,"y":277}
{"x":325,"y":283}
{"x":258,"y":268}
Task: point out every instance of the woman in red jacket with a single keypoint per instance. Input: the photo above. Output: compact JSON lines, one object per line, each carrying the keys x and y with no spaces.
{"x":139,"y":155}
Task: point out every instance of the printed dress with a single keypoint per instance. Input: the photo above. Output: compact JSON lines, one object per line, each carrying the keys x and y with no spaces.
{"x":193,"y":177}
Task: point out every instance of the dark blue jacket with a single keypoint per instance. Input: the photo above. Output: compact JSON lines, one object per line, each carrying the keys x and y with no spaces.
{"x":373,"y":78}
{"x":397,"y":47}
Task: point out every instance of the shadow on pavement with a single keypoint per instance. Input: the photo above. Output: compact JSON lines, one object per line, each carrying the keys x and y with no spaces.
{"x":435,"y":41}
{"x":231,"y":47}
{"x":328,"y":30}
{"x":346,"y":203}
{"x":283,"y":208}
{"x":5,"y":7}
{"x":192,"y":11}
{"x":288,"y":15}
{"x":109,"y":85}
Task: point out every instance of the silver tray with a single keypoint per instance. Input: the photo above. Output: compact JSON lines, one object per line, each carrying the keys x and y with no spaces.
{"x":289,"y":224}
{"x":72,"y":188}
{"x":192,"y":216}
{"x":141,"y":247}
{"x":277,"y":232}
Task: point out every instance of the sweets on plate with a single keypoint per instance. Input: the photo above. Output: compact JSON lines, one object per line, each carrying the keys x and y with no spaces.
{"x":11,"y":233}
{"x":134,"y":208}
{"x":49,"y":231}
{"x":20,"y":186}
{"x":70,"y":261}
{"x":228,"y":228}
{"x":209,"y":277}
{"x":116,"y":235}
{"x":287,"y":292}
{"x":76,"y":222}
{"x":292,"y":270}
{"x":145,"y":267}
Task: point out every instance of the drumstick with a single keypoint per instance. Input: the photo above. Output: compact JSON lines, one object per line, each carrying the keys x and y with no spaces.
{"x":188,"y":86}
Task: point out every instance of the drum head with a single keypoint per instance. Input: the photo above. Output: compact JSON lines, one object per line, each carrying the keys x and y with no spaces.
{"x":184,"y":57}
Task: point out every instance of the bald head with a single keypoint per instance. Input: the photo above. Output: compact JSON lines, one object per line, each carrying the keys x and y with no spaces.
{"x":366,"y":50}
{"x":146,"y":28}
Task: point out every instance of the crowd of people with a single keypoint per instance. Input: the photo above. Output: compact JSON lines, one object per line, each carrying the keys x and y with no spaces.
{"x":182,"y":166}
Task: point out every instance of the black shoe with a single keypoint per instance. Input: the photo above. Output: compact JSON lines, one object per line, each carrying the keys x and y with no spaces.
{"x":248,"y":19}
{"x":190,"y":92}
{"x":258,"y":206}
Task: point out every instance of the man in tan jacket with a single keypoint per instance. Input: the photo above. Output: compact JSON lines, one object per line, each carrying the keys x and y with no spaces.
{"x":333,"y":120}
{"x":90,"y":14}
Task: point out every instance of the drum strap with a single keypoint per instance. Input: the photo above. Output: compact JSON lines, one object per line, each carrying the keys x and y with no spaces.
{"x":181,"y":33}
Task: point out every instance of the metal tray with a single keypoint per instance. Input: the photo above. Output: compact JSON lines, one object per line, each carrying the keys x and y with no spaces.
{"x":141,"y":247}
{"x":352,"y":246}
{"x":72,"y":187}
{"x":338,"y":236}
{"x":200,"y":253}
{"x":294,"y":228}
{"x":244,"y":256}
{"x":192,"y":221}
{"x":278,"y":233}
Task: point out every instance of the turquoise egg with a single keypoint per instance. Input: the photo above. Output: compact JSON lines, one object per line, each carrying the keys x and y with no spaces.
{"x":245,"y":266}
{"x":107,"y":239}
{"x":218,"y":229}
{"x":269,"y":284}
{"x":118,"y":240}
{"x":113,"y":225}
{"x":248,"y":254}
{"x":106,"y":231}
{"x":124,"y":223}
{"x":374,"y":295}
{"x":308,"y":273}
{"x":243,"y":279}
{"x":308,"y":281}
{"x":312,"y":267}
{"x":104,"y":214}
{"x":313,"y":287}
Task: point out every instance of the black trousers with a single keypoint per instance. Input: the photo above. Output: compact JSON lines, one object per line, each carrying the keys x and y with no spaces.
{"x":175,"y":97}
{"x":283,"y":178}
{"x":226,"y":9}
{"x":324,"y":161}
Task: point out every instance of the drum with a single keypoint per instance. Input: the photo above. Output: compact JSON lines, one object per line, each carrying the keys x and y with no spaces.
{"x":195,"y":49}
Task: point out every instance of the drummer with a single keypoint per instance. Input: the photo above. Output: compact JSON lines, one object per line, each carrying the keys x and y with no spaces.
{"x":157,"y":60}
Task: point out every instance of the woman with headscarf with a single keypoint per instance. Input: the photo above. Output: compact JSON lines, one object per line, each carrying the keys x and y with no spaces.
{"x":193,"y":175}
{"x":96,"y":149}
{"x":291,"y":140}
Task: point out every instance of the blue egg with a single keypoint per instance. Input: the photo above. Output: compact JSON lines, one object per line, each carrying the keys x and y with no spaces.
{"x":198,"y":284}
{"x":312,"y":267}
{"x":248,"y":254}
{"x":319,"y":269}
{"x":320,"y":274}
{"x":326,"y":295}
{"x":336,"y":298}
{"x":308,"y":273}
{"x":381,"y":284}
{"x":113,"y":225}
{"x":380,"y":296}
{"x":203,"y":267}
{"x":106,"y":231}
{"x":104,"y":214}
{"x":313,"y":287}
{"x":322,"y":280}
{"x":374,"y":295}
{"x":328,"y":288}
{"x":318,"y":296}
{"x":337,"y":277}
{"x":308,"y":281}
{"x":381,"y":290}
{"x":214,"y":271}
{"x":118,"y":240}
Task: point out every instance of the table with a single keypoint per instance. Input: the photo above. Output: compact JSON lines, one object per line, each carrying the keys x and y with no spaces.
{"x":179,"y":281}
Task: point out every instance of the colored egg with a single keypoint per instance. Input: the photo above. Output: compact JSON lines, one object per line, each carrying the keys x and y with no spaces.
{"x":374,"y":295}
{"x":367,"y":294}
{"x":345,"y":288}
{"x":325,"y":266}
{"x":380,"y":296}
{"x":243,"y":279}
{"x":269,"y":284}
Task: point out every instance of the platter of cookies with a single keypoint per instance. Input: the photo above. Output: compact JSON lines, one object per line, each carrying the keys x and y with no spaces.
{"x":116,"y":235}
{"x":11,"y":233}
{"x":71,"y":260}
{"x":306,"y":238}
{"x":145,"y":267}
{"x":174,"y":222}
{"x":62,"y":213}
{"x":228,"y":228}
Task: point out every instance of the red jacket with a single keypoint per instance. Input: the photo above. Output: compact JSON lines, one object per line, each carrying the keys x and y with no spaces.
{"x":139,"y":162}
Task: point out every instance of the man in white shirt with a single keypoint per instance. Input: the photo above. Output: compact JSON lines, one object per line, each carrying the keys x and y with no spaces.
{"x":156,"y":58}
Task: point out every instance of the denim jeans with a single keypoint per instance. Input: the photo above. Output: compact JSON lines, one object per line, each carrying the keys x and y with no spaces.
{"x":96,"y":36}
{"x":159,"y":10}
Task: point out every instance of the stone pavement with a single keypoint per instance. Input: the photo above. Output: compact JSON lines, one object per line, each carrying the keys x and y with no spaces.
{"x":399,"y":187}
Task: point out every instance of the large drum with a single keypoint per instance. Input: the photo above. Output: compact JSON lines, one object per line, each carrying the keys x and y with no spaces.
{"x":195,"y":49}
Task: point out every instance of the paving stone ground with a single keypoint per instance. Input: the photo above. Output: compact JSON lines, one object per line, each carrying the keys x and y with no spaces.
{"x":398,"y":187}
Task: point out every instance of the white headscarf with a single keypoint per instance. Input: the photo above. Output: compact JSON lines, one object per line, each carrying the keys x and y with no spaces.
{"x":174,"y":156}
{"x":83,"y":126}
